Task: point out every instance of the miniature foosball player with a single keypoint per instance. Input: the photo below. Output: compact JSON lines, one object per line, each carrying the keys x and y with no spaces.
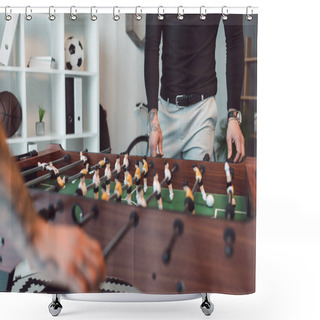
{"x":107,"y":173}
{"x":82,"y":187}
{"x":200,"y":183}
{"x":44,"y":166}
{"x":141,"y":201}
{"x":157,"y":190}
{"x":104,"y":193}
{"x":125,"y":163}
{"x":145,"y":170}
{"x":83,"y":158}
{"x":167,"y":175}
{"x":118,"y":189}
{"x":117,"y":166}
{"x":128,"y":183}
{"x":189,"y":199}
{"x":137,"y":173}
{"x":230,"y":208}
{"x":96,"y":182}
{"x":60,"y":182}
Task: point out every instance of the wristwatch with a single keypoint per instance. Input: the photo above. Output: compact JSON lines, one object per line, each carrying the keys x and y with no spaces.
{"x":236,"y":114}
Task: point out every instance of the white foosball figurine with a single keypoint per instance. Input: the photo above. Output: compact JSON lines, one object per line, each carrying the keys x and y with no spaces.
{"x":141,"y":201}
{"x":167,"y":175}
{"x":157,"y":189}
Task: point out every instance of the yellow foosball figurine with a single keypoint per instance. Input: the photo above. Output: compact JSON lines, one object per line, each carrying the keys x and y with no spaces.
{"x":199,"y":179}
{"x":128,"y":182}
{"x":118,"y":189}
{"x":137,"y":174}
{"x":104,"y":193}
{"x":189,"y":199}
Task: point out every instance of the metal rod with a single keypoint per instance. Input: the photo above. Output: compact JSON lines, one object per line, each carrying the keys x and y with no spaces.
{"x":48,"y":175}
{"x":178,"y":228}
{"x":36,"y":169}
{"x":133,"y":222}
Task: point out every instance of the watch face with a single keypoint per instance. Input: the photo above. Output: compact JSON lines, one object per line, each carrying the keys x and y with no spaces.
{"x":239,"y":117}
{"x":235,"y":114}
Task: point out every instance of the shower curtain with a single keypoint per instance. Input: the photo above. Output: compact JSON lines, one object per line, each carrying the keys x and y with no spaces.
{"x":102,"y":79}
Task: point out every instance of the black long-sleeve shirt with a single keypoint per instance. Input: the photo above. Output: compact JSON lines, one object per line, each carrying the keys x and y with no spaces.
{"x":188,"y":57}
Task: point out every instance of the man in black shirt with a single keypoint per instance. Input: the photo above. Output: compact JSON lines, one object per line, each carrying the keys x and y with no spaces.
{"x":186,"y":110}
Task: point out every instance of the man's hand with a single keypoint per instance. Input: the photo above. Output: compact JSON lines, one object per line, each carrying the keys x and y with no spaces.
{"x":234,"y":135}
{"x":155,"y":133}
{"x":68,"y":256}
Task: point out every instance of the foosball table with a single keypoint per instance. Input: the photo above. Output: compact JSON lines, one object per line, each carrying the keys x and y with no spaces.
{"x":166,"y":226}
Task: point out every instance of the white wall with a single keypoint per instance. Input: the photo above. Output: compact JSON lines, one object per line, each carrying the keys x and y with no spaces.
{"x":121,"y":83}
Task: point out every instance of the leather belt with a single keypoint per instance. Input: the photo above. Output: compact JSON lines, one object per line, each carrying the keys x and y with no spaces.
{"x":186,"y":100}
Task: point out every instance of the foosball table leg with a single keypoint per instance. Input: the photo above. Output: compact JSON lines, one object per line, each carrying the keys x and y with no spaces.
{"x":206,"y":305}
{"x":55,"y":306}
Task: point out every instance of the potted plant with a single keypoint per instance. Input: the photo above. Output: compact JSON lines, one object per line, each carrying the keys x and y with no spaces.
{"x":40,"y":123}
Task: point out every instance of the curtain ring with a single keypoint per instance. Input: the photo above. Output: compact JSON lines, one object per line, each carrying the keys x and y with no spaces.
{"x":94,"y":17}
{"x":203,"y":13}
{"x":73,"y":15}
{"x":51,"y":15}
{"x":180,"y":13}
{"x":8,"y":17}
{"x":138,"y":15}
{"x":116,"y":17}
{"x":27,"y":14}
{"x":160,"y":15}
{"x":224,"y":13}
{"x":249,"y":14}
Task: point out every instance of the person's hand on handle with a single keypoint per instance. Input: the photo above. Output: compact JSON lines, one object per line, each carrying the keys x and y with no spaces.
{"x":69,"y":257}
{"x":234,"y":135}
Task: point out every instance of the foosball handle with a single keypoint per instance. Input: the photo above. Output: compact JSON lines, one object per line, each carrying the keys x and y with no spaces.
{"x":175,"y":168}
{"x":132,"y":223}
{"x":67,"y":158}
{"x":178,"y":228}
{"x":229,"y":238}
{"x":229,"y":211}
{"x":50,"y":212}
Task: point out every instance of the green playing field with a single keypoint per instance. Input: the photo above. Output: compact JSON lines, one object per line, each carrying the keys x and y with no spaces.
{"x":217,"y":211}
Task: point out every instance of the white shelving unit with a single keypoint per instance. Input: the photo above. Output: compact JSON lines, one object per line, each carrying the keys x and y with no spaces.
{"x":46,"y":87}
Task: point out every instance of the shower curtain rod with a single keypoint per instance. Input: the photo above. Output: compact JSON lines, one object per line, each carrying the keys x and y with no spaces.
{"x":74,"y":10}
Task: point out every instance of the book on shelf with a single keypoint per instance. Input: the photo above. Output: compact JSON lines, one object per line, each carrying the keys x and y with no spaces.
{"x":42,"y":63}
{"x":7,"y":39}
{"x":73,"y":105}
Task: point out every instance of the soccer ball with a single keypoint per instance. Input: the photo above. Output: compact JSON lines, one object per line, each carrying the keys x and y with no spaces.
{"x":73,"y":54}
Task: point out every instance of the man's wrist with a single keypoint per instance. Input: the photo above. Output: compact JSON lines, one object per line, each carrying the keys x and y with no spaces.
{"x":152,"y":115}
{"x":234,"y":114}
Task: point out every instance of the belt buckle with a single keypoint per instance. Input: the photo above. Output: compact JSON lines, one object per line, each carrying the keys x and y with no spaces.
{"x":176,"y":99}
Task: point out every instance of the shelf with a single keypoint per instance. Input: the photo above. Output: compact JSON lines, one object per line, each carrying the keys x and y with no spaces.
{"x":51,"y":137}
{"x":67,"y":73}
{"x":46,"y":87}
{"x":79,"y":73}
{"x":11,"y":69}
{"x":248,"y":98}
